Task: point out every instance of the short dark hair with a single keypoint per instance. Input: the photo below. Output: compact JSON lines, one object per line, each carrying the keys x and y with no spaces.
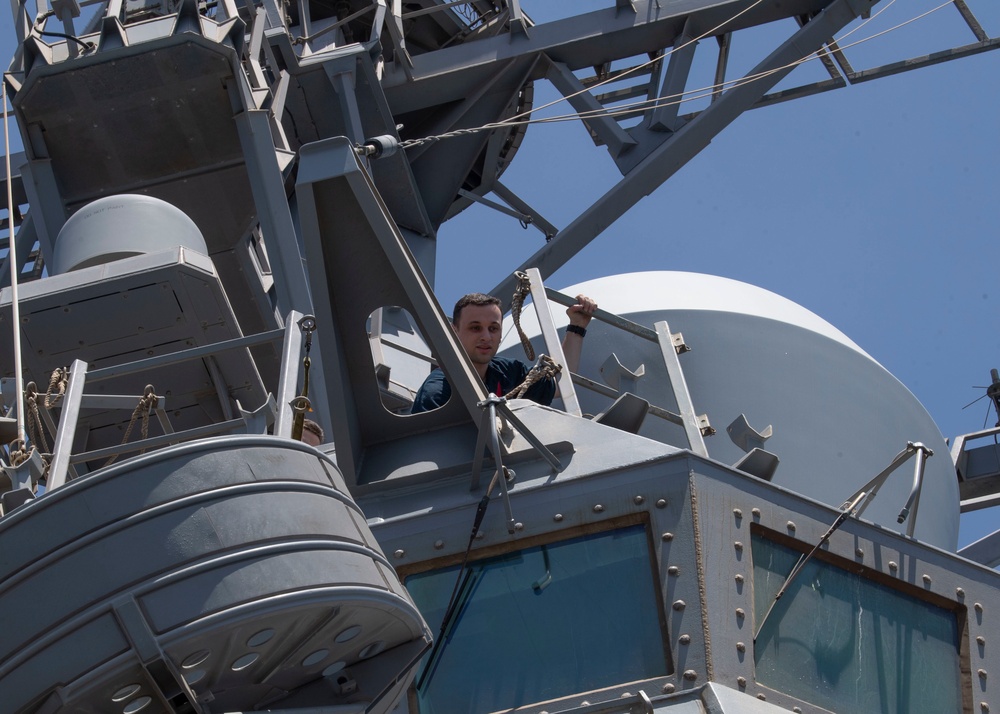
{"x":310,"y":425}
{"x":477,"y":299}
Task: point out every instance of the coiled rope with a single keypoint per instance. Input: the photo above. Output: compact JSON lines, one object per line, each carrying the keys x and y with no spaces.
{"x":522,"y":291}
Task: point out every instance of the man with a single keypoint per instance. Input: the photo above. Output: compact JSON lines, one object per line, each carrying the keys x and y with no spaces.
{"x":477,"y":321}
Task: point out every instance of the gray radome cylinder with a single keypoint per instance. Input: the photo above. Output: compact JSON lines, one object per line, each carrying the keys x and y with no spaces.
{"x":838,"y":417}
{"x":119,"y":227}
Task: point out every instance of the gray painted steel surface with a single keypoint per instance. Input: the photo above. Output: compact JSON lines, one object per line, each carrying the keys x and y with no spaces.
{"x":238,"y":566}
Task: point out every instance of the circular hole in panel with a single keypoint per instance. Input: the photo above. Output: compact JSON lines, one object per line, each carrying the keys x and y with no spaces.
{"x":349,"y":634}
{"x":371,"y":650}
{"x":245,"y":661}
{"x":194,"y":676}
{"x":260,"y":638}
{"x":136,"y":705}
{"x":315,"y":658}
{"x":125,"y":692}
{"x":334,"y":668}
{"x":195,"y":658}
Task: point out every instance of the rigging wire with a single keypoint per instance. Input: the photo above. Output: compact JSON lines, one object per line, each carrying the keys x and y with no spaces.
{"x":674,"y":99}
{"x":12,"y":259}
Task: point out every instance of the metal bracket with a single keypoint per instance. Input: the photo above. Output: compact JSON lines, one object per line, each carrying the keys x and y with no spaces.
{"x":487,"y":426}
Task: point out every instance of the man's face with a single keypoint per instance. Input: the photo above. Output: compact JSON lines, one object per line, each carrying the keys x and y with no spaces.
{"x":478,"y":330}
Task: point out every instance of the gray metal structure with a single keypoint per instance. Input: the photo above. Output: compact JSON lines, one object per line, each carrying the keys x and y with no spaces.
{"x":168,"y":548}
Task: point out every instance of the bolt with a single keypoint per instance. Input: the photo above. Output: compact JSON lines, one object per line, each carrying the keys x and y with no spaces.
{"x":667,"y":536}
{"x":738,"y":513}
{"x":927,"y":578}
{"x":984,"y":706}
{"x":740,"y":613}
{"x":742,"y":681}
{"x":399,"y":553}
{"x":690,"y":675}
{"x":673,"y":570}
{"x":739,"y":578}
{"x":668,"y":688}
{"x":738,"y":545}
{"x":519,"y":526}
{"x":982,"y":674}
{"x":979,"y":607}
{"x":679,"y":604}
{"x":558,"y":518}
{"x":959,"y":593}
{"x":755,"y":512}
{"x":638,"y":500}
{"x":858,"y":553}
{"x":741,"y":647}
{"x":598,"y":508}
{"x":661,"y":503}
{"x":981,"y":641}
{"x":790,"y":526}
{"x":893,"y":566}
{"x":438,"y":544}
{"x":762,"y":697}
{"x":685,"y":639}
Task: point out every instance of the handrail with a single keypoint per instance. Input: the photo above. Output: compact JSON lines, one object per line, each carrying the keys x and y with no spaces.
{"x":74,"y":399}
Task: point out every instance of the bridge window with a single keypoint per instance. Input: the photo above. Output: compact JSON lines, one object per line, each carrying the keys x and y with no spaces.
{"x":847,"y":643}
{"x":541,"y":623}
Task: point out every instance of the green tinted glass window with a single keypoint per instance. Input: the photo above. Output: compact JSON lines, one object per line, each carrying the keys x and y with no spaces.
{"x":541,"y":623}
{"x":851,"y":645}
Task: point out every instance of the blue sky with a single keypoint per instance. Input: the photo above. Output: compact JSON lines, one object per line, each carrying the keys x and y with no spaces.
{"x":874,"y":206}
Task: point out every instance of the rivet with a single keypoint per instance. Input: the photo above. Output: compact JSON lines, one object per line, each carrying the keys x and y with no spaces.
{"x":598,"y":508}
{"x":667,"y":536}
{"x":741,"y":647}
{"x":755,"y":512}
{"x":738,"y":513}
{"x":984,"y":706}
{"x":661,"y":503}
{"x":739,"y":578}
{"x":480,"y":535}
{"x":519,"y":526}
{"x":797,"y":710}
{"x":982,"y":674}
{"x":690,"y":675}
{"x":399,"y":553}
{"x":762,"y":697}
{"x":858,"y":553}
{"x":978,"y":606}
{"x":685,"y":639}
{"x":679,"y":604}
{"x":927,"y":578}
{"x":740,"y":613}
{"x":438,"y":544}
{"x":673,"y":570}
{"x":959,"y":593}
{"x":626,"y":695}
{"x":981,"y":641}
{"x":738,"y":545}
{"x":893,"y":566}
{"x":668,"y":688}
{"x":742,"y":681}
{"x":558,"y":518}
{"x":638,"y":500}
{"x":790,"y":526}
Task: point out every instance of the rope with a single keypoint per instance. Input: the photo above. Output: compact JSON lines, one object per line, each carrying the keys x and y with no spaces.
{"x":546,"y":368}
{"x":147,"y":403}
{"x":35,"y":431}
{"x":517,"y":302}
{"x":57,"y":383}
